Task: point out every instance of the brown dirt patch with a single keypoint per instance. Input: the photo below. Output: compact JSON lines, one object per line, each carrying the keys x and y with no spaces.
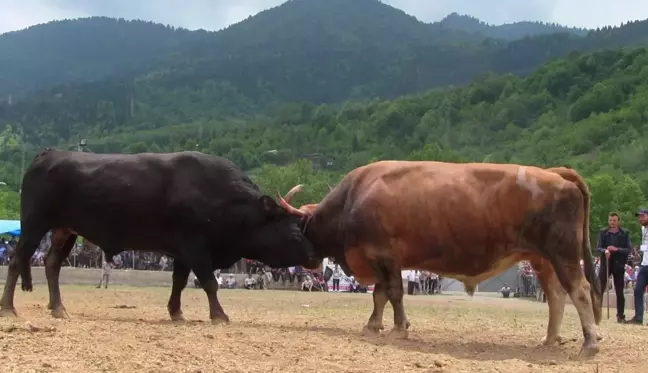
{"x":126,"y":329}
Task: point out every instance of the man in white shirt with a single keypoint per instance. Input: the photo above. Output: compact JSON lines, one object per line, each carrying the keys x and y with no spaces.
{"x":249,"y":282}
{"x":337,"y":275}
{"x":230,"y":283}
{"x":411,"y":282}
{"x":642,"y":274}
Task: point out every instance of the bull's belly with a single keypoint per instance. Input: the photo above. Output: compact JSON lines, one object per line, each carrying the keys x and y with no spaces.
{"x":471,"y":272}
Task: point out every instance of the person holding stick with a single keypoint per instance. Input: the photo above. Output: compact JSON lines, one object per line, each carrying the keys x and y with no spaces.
{"x":614,"y":246}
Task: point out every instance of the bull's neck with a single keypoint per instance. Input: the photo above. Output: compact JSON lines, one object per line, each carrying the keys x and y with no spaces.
{"x":325,"y":236}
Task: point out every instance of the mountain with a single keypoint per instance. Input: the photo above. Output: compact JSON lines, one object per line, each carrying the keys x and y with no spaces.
{"x":73,"y":51}
{"x":509,"y":31}
{"x":381,"y":38}
{"x":307,"y":52}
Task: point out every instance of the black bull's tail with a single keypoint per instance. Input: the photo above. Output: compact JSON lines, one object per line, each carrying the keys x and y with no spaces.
{"x":588,"y":261}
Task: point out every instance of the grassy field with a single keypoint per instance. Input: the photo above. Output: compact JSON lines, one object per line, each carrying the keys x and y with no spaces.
{"x":126,"y":329}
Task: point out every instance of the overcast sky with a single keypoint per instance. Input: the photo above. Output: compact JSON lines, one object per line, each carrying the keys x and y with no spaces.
{"x":216,"y":14}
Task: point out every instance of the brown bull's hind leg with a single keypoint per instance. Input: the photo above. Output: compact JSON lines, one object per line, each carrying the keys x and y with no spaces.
{"x":389,"y":276}
{"x":62,"y":243}
{"x":580,"y":296}
{"x":564,"y":249}
{"x":395,"y":294}
{"x":555,"y":299}
{"x":375,"y":323}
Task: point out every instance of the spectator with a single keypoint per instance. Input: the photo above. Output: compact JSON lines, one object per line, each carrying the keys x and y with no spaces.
{"x":411,"y":282}
{"x":337,"y":274}
{"x":614,"y":246}
{"x":308,"y":283}
{"x":230,"y":283}
{"x":434,"y":280}
{"x":106,"y":270}
{"x":219,"y":280}
{"x":424,"y":282}
{"x":505,"y":290}
{"x":642,"y":273}
{"x":249,"y":282}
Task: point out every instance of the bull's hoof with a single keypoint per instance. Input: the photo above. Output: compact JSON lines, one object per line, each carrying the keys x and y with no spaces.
{"x":177,"y":317}
{"x":398,"y":333}
{"x":599,"y":335}
{"x":550,"y":341}
{"x":220,"y":320}
{"x":373,"y":328}
{"x":27,"y":286}
{"x":60,"y":313}
{"x":8,"y":312}
{"x":589,"y":350}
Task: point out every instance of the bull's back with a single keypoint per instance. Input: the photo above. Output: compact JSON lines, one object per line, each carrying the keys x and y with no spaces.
{"x":141,"y":195}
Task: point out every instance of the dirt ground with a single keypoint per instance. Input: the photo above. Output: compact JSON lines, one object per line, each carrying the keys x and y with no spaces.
{"x":126,"y":329}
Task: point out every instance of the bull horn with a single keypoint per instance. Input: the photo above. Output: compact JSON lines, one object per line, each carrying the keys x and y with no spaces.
{"x":291,"y":193}
{"x":330,"y":187}
{"x":290,"y":209}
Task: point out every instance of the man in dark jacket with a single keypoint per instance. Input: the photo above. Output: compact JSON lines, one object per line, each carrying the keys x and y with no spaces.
{"x":614,"y":246}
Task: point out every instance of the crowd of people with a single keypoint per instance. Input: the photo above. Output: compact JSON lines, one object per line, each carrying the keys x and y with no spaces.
{"x":87,"y":255}
{"x":422,"y":282}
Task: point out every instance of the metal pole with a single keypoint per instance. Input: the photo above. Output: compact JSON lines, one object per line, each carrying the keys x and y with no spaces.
{"x":133,"y":256}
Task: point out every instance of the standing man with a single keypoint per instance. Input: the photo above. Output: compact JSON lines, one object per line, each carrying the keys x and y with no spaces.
{"x":411,"y":282}
{"x":337,"y":274}
{"x":641,"y":276}
{"x":614,"y":246}
{"x":106,"y":270}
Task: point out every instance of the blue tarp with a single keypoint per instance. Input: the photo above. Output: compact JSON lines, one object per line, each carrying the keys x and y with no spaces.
{"x":11,"y":227}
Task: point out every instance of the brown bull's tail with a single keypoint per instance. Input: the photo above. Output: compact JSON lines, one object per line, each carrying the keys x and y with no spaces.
{"x":588,"y":260}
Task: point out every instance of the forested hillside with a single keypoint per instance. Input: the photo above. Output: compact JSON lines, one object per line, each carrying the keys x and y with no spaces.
{"x":509,"y":31}
{"x":84,"y":50}
{"x":310,"y":50}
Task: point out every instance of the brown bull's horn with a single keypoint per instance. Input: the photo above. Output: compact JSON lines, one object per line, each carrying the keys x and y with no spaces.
{"x":290,"y":209}
{"x":330,"y":187}
{"x":291,"y":193}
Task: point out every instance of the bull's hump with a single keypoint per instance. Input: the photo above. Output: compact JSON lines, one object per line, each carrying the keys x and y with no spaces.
{"x":538,"y":182}
{"x":528,"y":182}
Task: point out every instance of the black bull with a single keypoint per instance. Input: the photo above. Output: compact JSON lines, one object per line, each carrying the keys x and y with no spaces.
{"x":201,"y":210}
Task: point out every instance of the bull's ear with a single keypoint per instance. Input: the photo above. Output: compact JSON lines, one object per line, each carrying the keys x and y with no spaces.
{"x":269,"y":205}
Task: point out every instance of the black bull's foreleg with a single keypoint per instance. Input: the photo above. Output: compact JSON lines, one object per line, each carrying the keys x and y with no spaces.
{"x":180,"y":277}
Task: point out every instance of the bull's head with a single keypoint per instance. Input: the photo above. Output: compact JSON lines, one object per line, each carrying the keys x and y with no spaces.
{"x":303,"y":211}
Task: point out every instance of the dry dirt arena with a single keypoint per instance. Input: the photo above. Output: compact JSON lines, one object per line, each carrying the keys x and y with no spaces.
{"x":126,"y":329}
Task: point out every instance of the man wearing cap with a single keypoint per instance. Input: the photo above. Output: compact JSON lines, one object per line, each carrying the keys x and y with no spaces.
{"x":614,"y":246}
{"x":642,"y":273}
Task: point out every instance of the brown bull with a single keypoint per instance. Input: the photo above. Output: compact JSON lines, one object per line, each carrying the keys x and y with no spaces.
{"x":466,"y":221}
